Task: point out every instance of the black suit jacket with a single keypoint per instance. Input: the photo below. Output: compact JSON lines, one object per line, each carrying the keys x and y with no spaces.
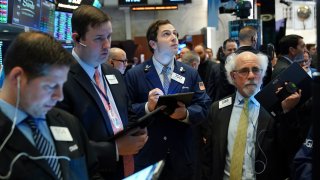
{"x":282,"y":64}
{"x":83,"y":159}
{"x":82,"y":100}
{"x":268,"y":146}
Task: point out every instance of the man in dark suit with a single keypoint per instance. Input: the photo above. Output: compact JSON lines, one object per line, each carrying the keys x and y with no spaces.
{"x":38,"y":141}
{"x":97,"y":95}
{"x":291,"y":48}
{"x":243,"y":142}
{"x":171,"y":137}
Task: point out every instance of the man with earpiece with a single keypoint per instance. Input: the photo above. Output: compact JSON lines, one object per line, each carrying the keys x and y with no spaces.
{"x":38,"y":141}
{"x":96,"y":93}
{"x":244,"y":140}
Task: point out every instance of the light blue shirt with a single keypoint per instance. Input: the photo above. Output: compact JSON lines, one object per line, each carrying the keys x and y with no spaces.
{"x":41,"y":124}
{"x":158,"y":66}
{"x":248,"y":172}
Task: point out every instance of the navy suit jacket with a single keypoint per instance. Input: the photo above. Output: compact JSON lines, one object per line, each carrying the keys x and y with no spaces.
{"x":168,"y":137}
{"x":83,"y":160}
{"x":82,"y":100}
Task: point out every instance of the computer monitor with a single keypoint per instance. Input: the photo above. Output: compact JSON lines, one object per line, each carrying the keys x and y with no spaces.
{"x":26,"y":13}
{"x":47,"y":17}
{"x":62,"y":26}
{"x":4,"y":44}
{"x":4,"y":9}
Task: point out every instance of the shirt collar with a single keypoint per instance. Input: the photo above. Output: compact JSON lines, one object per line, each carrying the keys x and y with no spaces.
{"x":239,"y":99}
{"x":158,"y":66}
{"x":10,"y":110}
{"x":86,"y":67}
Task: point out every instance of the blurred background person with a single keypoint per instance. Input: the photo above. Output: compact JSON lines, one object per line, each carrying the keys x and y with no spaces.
{"x":192,"y":59}
{"x":118,"y":59}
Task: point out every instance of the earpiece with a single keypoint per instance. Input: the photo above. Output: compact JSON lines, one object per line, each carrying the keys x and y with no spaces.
{"x":78,"y":40}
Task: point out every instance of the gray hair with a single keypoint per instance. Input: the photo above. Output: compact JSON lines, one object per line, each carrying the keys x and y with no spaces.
{"x":230,"y":64}
{"x":190,"y":57}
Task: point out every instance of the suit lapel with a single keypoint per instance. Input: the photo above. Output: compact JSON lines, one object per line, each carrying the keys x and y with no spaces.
{"x":106,"y":70}
{"x":263,"y":123}
{"x":152,"y":77}
{"x":23,"y":144}
{"x":83,"y":79}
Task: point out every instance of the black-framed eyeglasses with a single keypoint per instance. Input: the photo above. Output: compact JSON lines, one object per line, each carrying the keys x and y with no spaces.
{"x":244,"y":72}
{"x":120,"y":60}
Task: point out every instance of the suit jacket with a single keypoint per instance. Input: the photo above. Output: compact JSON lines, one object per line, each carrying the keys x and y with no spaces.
{"x":82,"y":100}
{"x":168,"y":138}
{"x":83,"y":160}
{"x":281,"y":65}
{"x":268,"y":146}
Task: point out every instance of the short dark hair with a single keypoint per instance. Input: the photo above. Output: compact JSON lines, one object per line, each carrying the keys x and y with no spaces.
{"x":86,"y":15}
{"x":288,"y":41}
{"x":152,"y":31}
{"x":227,"y":41}
{"x":35,"y":53}
{"x":247,"y":32}
{"x":309,"y":46}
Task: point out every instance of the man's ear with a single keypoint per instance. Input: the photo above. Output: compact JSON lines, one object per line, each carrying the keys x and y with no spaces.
{"x":232,"y":75}
{"x":153,"y":44}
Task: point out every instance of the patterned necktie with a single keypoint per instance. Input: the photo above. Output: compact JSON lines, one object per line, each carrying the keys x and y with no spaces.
{"x":45,"y":148}
{"x":166,"y":81}
{"x":128,"y":161}
{"x":240,"y":144}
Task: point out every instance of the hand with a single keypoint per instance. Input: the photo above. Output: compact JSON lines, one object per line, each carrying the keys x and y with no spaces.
{"x":153,"y":98}
{"x":180,"y":113}
{"x":132,"y":142}
{"x":291,"y":101}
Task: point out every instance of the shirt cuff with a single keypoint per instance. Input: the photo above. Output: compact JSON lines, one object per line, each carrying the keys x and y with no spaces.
{"x":186,"y":120}
{"x":146,"y":108}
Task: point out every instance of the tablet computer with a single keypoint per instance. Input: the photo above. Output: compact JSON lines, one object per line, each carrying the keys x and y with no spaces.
{"x":151,"y":172}
{"x":142,"y":122}
{"x":268,"y":97}
{"x":170,"y":101}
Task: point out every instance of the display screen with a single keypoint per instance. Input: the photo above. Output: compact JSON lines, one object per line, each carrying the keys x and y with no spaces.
{"x":4,"y":11}
{"x":4,"y":44}
{"x":47,"y":17}
{"x":176,"y":1}
{"x":26,"y":13}
{"x":62,"y":26}
{"x":132,"y":2}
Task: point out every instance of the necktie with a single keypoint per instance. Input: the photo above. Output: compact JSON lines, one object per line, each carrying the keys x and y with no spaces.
{"x":166,"y":81}
{"x":240,"y":144}
{"x":128,"y":160}
{"x":45,"y":148}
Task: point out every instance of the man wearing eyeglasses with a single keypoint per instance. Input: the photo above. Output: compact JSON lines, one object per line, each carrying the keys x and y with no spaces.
{"x":243,"y":141}
{"x":118,"y":59}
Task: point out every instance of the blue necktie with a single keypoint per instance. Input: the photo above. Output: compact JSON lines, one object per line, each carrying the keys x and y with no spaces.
{"x":45,"y":148}
{"x":166,"y":81}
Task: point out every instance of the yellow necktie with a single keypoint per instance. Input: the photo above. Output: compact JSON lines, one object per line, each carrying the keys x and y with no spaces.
{"x":240,"y":144}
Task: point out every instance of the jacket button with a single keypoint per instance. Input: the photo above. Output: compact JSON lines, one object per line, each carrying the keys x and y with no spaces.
{"x":165,"y":138}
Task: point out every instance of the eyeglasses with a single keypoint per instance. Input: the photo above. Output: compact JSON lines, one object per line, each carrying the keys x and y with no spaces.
{"x":120,"y":60}
{"x":244,"y":72}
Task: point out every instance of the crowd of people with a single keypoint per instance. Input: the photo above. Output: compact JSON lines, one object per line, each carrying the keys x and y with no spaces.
{"x":60,"y":111}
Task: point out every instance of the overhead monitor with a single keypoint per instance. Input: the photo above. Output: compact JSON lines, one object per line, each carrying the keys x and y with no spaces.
{"x":4,"y":8}
{"x":70,"y":5}
{"x":26,"y":13}
{"x":4,"y":44}
{"x":132,"y":2}
{"x":47,"y":17}
{"x":62,"y":26}
{"x":176,"y":1}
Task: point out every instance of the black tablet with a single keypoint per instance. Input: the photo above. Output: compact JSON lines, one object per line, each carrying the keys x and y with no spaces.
{"x":270,"y":100}
{"x":142,"y":122}
{"x":170,"y":101}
